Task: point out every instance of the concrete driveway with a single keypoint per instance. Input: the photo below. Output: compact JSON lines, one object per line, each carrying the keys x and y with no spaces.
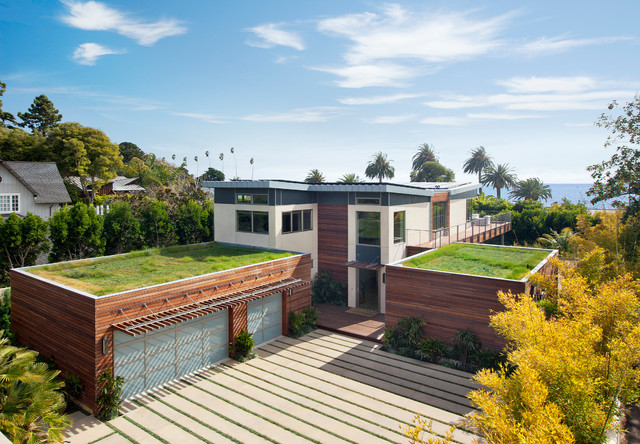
{"x":323,"y":388}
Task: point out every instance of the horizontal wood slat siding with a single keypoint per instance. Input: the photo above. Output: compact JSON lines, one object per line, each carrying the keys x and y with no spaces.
{"x":333,"y":239}
{"x":56,"y":321}
{"x":71,"y":326}
{"x":447,"y":302}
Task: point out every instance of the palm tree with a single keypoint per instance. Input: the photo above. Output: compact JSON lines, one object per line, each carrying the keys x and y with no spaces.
{"x":31,"y":405}
{"x":432,"y":172}
{"x":206,"y":153}
{"x":233,"y":151}
{"x":531,"y":189}
{"x":251,"y":162}
{"x":314,"y":176}
{"x":478,"y":162}
{"x":425,"y":154}
{"x":196,"y":159}
{"x":499,"y":177}
{"x":558,"y":241}
{"x":222,"y":160}
{"x":350,"y":178}
{"x":380,"y":167}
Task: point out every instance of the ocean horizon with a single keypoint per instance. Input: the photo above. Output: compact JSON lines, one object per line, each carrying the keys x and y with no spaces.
{"x":574,"y":192}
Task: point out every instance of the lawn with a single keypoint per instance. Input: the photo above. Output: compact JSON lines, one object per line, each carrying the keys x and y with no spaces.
{"x":481,"y":260}
{"x":151,"y":267}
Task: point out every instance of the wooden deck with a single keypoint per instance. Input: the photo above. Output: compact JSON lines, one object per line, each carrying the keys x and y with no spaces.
{"x":474,"y":234}
{"x":338,"y":319}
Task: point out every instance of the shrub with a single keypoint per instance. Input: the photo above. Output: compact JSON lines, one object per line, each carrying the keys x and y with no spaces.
{"x":431,"y":349}
{"x":302,"y":323}
{"x":404,"y":336}
{"x":550,"y":308}
{"x":488,"y":359}
{"x":242,"y":346}
{"x":73,"y":387}
{"x":324,"y":290}
{"x":5,"y":313}
{"x":465,"y":345}
{"x":109,"y":395}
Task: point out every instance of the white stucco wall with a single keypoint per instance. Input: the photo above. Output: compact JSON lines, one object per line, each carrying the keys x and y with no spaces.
{"x":457,"y":212}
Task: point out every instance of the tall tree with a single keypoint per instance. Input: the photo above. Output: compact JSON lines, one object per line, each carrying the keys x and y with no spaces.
{"x":121,"y":230}
{"x":23,"y":239}
{"x":478,"y":162}
{"x":432,"y":172}
{"x":233,"y":151}
{"x":157,"y":229}
{"x":380,"y":167}
{"x":75,"y":233}
{"x":17,"y":144}
{"x":498,"y":177}
{"x":5,"y":117}
{"x":425,"y":154}
{"x":212,"y":174}
{"x":192,"y":224}
{"x":530,"y":189}
{"x":314,"y":176}
{"x":129,"y":150}
{"x":31,"y":402}
{"x":619,"y":177}
{"x":85,"y":152}
{"x":350,"y":178}
{"x":41,"y":117}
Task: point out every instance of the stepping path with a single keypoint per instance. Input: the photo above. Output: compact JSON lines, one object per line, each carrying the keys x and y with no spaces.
{"x":324,"y":387}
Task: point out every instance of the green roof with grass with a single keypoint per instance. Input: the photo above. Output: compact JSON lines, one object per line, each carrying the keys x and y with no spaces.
{"x":108,"y":275}
{"x":481,"y":260}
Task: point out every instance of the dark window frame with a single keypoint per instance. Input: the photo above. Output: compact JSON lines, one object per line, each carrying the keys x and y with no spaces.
{"x":305,"y":221}
{"x":439,"y":215}
{"x":399,"y":227}
{"x":364,"y":223}
{"x":259,"y":226}
{"x":250,"y":198}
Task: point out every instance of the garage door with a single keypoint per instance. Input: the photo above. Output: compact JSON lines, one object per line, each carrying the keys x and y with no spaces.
{"x":264,"y":318}
{"x":157,"y":357}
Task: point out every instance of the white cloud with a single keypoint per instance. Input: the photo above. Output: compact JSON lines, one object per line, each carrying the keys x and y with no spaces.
{"x":562,"y":43}
{"x":208,"y":118}
{"x":96,"y":16}
{"x":271,"y":36}
{"x":445,"y":121}
{"x":88,"y":53}
{"x":389,"y":119}
{"x":503,"y":116}
{"x":360,"y":76}
{"x":319,"y":114}
{"x":377,"y":100}
{"x":548,"y":84}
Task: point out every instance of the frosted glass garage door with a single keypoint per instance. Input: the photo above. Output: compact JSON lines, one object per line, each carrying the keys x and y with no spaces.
{"x":264,"y":318}
{"x":155,"y":358}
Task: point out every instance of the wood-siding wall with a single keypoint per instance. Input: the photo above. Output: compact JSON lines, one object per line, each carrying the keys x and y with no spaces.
{"x":71,"y":326}
{"x":447,"y":302}
{"x":333,"y":239}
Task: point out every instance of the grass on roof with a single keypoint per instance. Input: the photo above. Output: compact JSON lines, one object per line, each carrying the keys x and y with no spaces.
{"x":481,"y":260}
{"x":151,"y":267}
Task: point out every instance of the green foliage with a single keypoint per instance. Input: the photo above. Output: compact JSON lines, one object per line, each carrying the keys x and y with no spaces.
{"x":5,"y":313}
{"x":404,"y":337}
{"x":313,"y":176}
{"x":41,"y":117}
{"x":129,"y":150}
{"x":324,"y":290}
{"x":76,"y":233}
{"x":432,"y":172}
{"x":31,"y":403}
{"x":499,"y":176}
{"x":531,"y":189}
{"x":212,"y":174}
{"x":477,"y":162}
{"x":5,"y":116}
{"x":73,"y":387}
{"x":17,"y":144}
{"x":302,"y":323}
{"x":121,"y":229}
{"x":242,"y":346}
{"x":465,"y":346}
{"x":550,"y":307}
{"x":380,"y":167}
{"x":109,"y":393}
{"x":424,"y":154}
{"x":21,"y":241}
{"x":558,"y":241}
{"x":484,"y":205}
{"x":192,"y":223}
{"x":431,"y":350}
{"x":157,"y":228}
{"x":350,"y":178}
{"x":619,"y":177}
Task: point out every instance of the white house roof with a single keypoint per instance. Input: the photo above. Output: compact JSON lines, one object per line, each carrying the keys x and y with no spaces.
{"x":412,"y":188}
{"x":41,"y":178}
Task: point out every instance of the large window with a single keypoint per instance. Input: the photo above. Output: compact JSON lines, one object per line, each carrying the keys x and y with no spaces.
{"x":368,"y":228}
{"x":368,"y":200}
{"x":249,"y":198}
{"x":398,"y":227}
{"x":295,"y":221}
{"x":252,"y":221}
{"x":9,"y":203}
{"x":439,"y":215}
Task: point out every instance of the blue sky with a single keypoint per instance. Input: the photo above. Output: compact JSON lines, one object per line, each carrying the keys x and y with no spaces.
{"x":299,"y":85}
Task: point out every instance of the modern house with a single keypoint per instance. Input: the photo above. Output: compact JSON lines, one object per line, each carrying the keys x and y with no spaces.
{"x":34,"y":187}
{"x":149,"y":325}
{"x":352,"y":230}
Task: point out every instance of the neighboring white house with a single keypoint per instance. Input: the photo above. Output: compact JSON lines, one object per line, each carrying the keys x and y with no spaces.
{"x":351,"y":230}
{"x":34,"y":187}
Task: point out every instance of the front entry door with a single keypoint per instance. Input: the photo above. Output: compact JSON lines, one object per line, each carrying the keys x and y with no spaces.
{"x":368,"y":289}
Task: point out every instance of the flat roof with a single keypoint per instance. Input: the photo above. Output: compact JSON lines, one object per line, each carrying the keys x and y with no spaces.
{"x":411,"y":188}
{"x":107,"y":275}
{"x":496,"y":261}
